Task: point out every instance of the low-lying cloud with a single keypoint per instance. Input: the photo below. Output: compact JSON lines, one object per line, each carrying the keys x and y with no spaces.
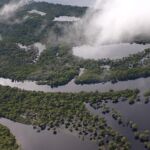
{"x":113,"y":21}
{"x":9,"y":10}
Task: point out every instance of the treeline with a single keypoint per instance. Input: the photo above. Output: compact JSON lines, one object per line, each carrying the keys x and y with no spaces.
{"x":53,"y":110}
{"x":15,"y":63}
{"x":19,"y":64}
{"x":55,"y":10}
{"x":28,"y":28}
{"x":127,"y":68}
{"x":7,"y":140}
{"x":57,"y":65}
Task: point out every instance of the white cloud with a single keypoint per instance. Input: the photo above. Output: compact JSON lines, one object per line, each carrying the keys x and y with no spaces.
{"x":111,"y":21}
{"x":9,"y":10}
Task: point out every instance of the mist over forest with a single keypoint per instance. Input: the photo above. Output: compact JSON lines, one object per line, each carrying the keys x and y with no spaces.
{"x":75,"y":75}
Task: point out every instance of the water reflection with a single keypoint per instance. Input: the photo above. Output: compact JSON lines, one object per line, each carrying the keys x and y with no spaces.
{"x":113,"y":51}
{"x":143,"y":84}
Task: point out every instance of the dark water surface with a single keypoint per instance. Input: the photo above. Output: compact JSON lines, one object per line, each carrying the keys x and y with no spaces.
{"x":30,"y":139}
{"x":138,"y":113}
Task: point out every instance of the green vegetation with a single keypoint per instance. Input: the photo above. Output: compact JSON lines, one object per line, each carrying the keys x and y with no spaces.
{"x":57,"y":66}
{"x":127,"y":68}
{"x":35,"y":28}
{"x":147,"y":93}
{"x":114,"y":97}
{"x":18,"y":59}
{"x":143,"y":136}
{"x":49,"y":69}
{"x":61,"y":109}
{"x":55,"y":10}
{"x":90,"y":76}
{"x":7,"y":140}
{"x":147,"y":96}
{"x":103,"y":106}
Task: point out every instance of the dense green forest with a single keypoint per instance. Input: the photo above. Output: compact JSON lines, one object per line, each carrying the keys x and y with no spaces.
{"x":7,"y":140}
{"x":64,"y":110}
{"x":57,"y":65}
{"x":52,"y":111}
{"x":27,"y":28}
{"x":127,"y":68}
{"x":36,"y":28}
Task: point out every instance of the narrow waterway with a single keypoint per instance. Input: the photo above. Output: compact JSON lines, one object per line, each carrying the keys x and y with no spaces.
{"x":143,"y":84}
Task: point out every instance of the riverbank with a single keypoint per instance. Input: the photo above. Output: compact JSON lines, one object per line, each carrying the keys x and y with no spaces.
{"x":30,"y":139}
{"x":7,"y":140}
{"x":53,"y":110}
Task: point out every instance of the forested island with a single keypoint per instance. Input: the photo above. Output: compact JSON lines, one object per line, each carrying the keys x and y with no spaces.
{"x":56,"y":65}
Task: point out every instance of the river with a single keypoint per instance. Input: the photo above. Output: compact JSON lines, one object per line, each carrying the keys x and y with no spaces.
{"x":45,"y":140}
{"x":142,"y":83}
{"x":30,"y":139}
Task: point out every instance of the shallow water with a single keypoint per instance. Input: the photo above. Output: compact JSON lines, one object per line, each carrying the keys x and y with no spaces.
{"x":129,"y":112}
{"x":139,"y":113}
{"x":112,"y":51}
